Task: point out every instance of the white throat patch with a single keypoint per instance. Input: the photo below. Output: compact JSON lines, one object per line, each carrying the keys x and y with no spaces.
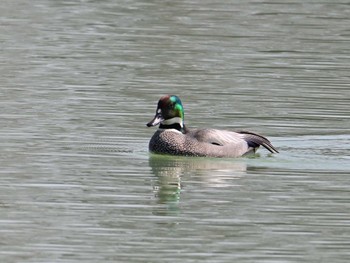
{"x":173,"y":121}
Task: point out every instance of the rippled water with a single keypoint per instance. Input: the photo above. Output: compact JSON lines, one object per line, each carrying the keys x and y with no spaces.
{"x":79,"y":81}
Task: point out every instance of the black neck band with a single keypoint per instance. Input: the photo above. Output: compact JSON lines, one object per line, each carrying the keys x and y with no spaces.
{"x":176,"y":126}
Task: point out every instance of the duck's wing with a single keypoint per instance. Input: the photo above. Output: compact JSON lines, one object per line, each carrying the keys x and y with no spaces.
{"x":255,"y":140}
{"x":230,"y":138}
{"x":217,"y":137}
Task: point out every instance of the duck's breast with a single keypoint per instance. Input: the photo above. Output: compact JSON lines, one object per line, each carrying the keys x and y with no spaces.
{"x":167,"y":141}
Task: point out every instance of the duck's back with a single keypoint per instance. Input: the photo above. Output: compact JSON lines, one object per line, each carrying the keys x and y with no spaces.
{"x":220,"y":143}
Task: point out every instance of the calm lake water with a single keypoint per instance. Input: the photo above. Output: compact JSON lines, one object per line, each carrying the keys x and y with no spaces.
{"x":79,"y":81}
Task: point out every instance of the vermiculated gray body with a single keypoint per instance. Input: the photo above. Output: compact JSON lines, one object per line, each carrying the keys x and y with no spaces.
{"x":205,"y":142}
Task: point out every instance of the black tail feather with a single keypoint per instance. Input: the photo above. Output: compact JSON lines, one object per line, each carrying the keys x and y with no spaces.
{"x":255,"y":140}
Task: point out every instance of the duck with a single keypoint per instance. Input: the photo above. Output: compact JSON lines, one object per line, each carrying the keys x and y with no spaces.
{"x":174,"y":138}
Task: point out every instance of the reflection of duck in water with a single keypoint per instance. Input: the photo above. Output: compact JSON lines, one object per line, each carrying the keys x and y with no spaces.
{"x":174,"y":138}
{"x":167,"y":188}
{"x":170,"y":170}
{"x":168,"y":185}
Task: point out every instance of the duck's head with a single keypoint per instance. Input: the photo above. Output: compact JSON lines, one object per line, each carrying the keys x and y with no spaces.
{"x":169,"y":114}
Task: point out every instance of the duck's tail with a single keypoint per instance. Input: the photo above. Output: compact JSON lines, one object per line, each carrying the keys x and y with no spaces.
{"x":255,"y":140}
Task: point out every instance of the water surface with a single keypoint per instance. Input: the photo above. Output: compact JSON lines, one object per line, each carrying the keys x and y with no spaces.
{"x":79,"y":81}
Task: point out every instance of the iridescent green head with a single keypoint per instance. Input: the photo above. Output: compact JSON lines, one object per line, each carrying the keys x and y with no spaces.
{"x":169,"y":114}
